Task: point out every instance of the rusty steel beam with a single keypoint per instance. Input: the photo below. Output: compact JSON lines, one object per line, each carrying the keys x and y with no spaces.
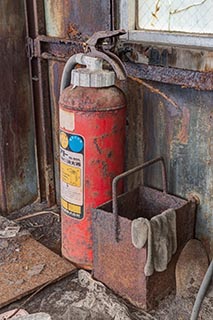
{"x":185,"y":78}
{"x":179,"y":66}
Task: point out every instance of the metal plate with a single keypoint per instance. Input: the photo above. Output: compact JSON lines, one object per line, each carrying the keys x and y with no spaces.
{"x":27,"y":265}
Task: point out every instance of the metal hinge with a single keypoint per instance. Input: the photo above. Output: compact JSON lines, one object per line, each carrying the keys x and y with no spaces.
{"x":33,"y":48}
{"x":30,"y":48}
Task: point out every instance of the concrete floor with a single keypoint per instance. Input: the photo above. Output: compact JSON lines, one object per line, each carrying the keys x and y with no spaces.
{"x":79,"y":297}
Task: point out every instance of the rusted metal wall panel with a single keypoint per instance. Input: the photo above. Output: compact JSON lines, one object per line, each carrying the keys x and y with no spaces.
{"x":36,"y":26}
{"x":18,"y":176}
{"x":180,"y":129}
{"x":77,"y":18}
{"x":134,"y":131}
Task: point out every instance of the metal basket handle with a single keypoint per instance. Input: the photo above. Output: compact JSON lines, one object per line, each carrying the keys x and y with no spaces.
{"x":127,"y":173}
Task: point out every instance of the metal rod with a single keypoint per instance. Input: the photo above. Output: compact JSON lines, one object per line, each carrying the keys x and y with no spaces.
{"x":202,"y":291}
{"x":127,"y":173}
{"x":49,"y":56}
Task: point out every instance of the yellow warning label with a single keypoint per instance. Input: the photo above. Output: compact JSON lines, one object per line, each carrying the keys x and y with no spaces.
{"x":63,"y":140}
{"x":71,"y":175}
{"x":70,"y":206}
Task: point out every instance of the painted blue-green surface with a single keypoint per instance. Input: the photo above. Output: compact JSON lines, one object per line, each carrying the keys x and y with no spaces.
{"x":183,"y":133}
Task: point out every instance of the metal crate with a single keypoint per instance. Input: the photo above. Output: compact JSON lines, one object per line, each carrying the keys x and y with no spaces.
{"x":117,"y":263}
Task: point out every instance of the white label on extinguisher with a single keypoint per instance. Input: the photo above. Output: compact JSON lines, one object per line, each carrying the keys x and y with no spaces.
{"x":72,"y":174}
{"x":71,"y":177}
{"x":67,"y":120}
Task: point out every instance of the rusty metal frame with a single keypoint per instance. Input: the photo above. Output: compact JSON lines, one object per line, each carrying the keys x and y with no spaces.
{"x":59,"y":49}
{"x":55,"y":48}
{"x":34,"y":11}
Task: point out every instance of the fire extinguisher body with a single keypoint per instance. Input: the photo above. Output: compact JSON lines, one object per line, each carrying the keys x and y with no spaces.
{"x":92,"y":139}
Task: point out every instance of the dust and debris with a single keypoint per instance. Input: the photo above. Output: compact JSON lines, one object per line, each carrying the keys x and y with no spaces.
{"x":178,"y":308}
{"x":6,"y":315}
{"x":9,"y":250}
{"x":44,"y":228}
{"x":9,"y":232}
{"x":97,"y":301}
{"x":79,"y":297}
{"x":9,"y":246}
{"x":35,"y":270}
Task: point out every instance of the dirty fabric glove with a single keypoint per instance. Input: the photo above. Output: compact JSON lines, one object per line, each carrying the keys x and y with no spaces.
{"x":139,"y":232}
{"x":160,"y":235}
{"x":164,"y":239}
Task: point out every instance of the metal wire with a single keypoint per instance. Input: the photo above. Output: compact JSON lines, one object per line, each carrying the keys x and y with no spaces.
{"x":191,"y":16}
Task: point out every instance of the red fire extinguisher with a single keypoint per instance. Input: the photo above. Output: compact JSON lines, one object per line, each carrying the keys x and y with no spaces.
{"x":92,"y":138}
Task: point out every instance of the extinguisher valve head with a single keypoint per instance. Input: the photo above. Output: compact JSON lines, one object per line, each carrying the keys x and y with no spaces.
{"x":93,"y":75}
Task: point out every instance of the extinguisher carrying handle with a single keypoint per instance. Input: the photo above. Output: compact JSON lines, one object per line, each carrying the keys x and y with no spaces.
{"x":69,"y":66}
{"x":94,"y":49}
{"x":127,"y":173}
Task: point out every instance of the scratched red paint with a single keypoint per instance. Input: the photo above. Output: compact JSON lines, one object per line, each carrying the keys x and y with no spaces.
{"x":100,"y":118}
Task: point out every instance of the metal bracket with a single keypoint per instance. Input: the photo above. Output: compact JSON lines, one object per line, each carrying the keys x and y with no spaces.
{"x":30,"y":47}
{"x":54,"y":48}
{"x":95,"y":48}
{"x":45,"y":47}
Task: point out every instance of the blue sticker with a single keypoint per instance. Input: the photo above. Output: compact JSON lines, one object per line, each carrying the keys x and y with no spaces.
{"x":76,"y":143}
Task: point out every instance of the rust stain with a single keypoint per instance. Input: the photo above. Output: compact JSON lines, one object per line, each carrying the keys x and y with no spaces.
{"x":93,"y":99}
{"x":97,"y":146}
{"x":73,"y":32}
{"x":184,"y":78}
{"x":157,"y":91}
{"x":183,"y":135}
